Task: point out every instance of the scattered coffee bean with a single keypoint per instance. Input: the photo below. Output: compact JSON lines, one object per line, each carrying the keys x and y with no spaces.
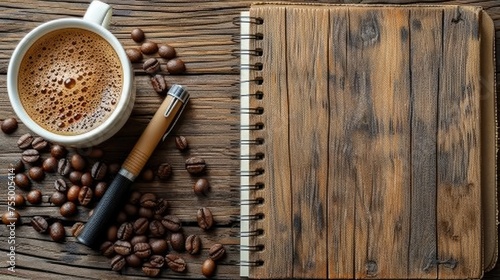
{"x":175,"y":263}
{"x":205,"y":218}
{"x":166,"y":51}
{"x":130,"y":210}
{"x":121,"y":218}
{"x":150,"y":270}
{"x":137,"y":35}
{"x":111,"y":234}
{"x":34,"y":197}
{"x":58,"y":151}
{"x":57,"y":232}
{"x":146,"y":212}
{"x":138,"y":239}
{"x":30,"y":156}
{"x":58,"y":198}
{"x":147,"y":175}
{"x":142,"y":250}
{"x":164,"y":171}
{"x":68,"y":209}
{"x":217,"y":251}
{"x":181,"y":143}
{"x":133,"y":260}
{"x":17,"y":166}
{"x":113,"y":168}
{"x":201,"y":187}
{"x":73,"y":193}
{"x":19,"y":200}
{"x":157,"y":261}
{"x":156,"y":229}
{"x":193,"y":244}
{"x":22,"y":181}
{"x":40,"y":224}
{"x":151,"y":66}
{"x":171,"y":223}
{"x":60,"y":185}
{"x":24,"y":142}
{"x":149,"y":48}
{"x":10,"y":217}
{"x":135,"y":198}
{"x":75,"y":177}
{"x":107,"y":249}
{"x":87,"y":179}
{"x":125,"y":231}
{"x":77,"y":162}
{"x":117,"y":263}
{"x":161,"y":206}
{"x":208,"y":268}
{"x":85,"y":195}
{"x":148,"y":200}
{"x":158,"y":246}
{"x":95,"y":153}
{"x":159,"y":84}
{"x":9,"y":125}
{"x":77,"y":228}
{"x":39,"y":143}
{"x":134,"y":55}
{"x":64,"y":167}
{"x":123,"y":247}
{"x":195,"y":165}
{"x":177,"y":241}
{"x":49,"y":165}
{"x":36,"y":173}
{"x":176,"y":66}
{"x":99,"y":170}
{"x":99,"y":189}
{"x":141,"y":226}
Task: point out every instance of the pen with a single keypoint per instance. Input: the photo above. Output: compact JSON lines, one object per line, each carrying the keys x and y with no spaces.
{"x":158,"y":128}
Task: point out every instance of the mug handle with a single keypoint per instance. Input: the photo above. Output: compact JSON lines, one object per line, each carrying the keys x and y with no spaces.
{"x":99,"y":12}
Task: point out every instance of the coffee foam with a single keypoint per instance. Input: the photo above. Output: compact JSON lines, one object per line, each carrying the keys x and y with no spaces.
{"x":70,"y":81}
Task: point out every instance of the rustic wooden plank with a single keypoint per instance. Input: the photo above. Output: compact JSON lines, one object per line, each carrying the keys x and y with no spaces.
{"x":381,"y":84}
{"x":425,"y":58}
{"x":459,"y":198}
{"x":341,"y":199}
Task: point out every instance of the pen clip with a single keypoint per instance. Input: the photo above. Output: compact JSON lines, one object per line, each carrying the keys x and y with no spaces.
{"x":180,"y":95}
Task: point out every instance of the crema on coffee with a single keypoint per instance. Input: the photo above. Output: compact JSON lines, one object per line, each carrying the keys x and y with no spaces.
{"x":70,"y":81}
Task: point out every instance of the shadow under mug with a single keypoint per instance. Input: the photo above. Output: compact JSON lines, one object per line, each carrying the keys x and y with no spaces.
{"x":96,"y":20}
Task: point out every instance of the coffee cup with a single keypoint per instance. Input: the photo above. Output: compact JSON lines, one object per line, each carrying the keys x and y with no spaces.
{"x":69,"y":80}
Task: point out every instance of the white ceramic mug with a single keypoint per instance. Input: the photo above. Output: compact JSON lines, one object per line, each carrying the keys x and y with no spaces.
{"x":96,"y":19}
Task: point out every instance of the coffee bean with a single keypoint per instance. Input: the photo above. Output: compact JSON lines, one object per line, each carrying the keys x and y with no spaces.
{"x":22,"y":181}
{"x":39,"y":143}
{"x":85,"y":195}
{"x":142,"y":250}
{"x":201,"y":187}
{"x":177,"y":241}
{"x":181,"y":143}
{"x":164,"y":171}
{"x":195,"y":165}
{"x":17,"y":166}
{"x":134,"y":55}
{"x":77,"y":228}
{"x":138,"y":239}
{"x":113,"y":168}
{"x":205,"y":218}
{"x":49,"y":165}
{"x":141,"y":225}
{"x":121,"y":218}
{"x":36,"y":173}
{"x":208,"y":268}
{"x":100,"y":189}
{"x":34,"y":197}
{"x":130,"y":210}
{"x":158,"y":246}
{"x":58,"y":151}
{"x":117,"y":263}
{"x":68,"y":209}
{"x":137,"y":35}
{"x":77,"y":162}
{"x":64,"y":167}
{"x":30,"y":156}
{"x":176,"y":66}
{"x":111,"y":234}
{"x":156,"y":228}
{"x":175,"y":263}
{"x":135,"y":198}
{"x":19,"y":200}
{"x":107,"y":249}
{"x":193,"y":244}
{"x":40,"y":224}
{"x":60,"y":185}
{"x":217,"y":251}
{"x":149,"y":48}
{"x":133,"y":260}
{"x":58,"y":198}
{"x":166,"y":51}
{"x":99,"y":170}
{"x":157,"y":261}
{"x":10,"y":217}
{"x":123,"y":247}
{"x":146,"y":212}
{"x":125,"y":231}
{"x":151,"y":66}
{"x":150,"y":270}
{"x":87,"y":179}
{"x":171,"y":223}
{"x":9,"y":125}
{"x":147,"y":175}
{"x":159,"y":84}
{"x":75,"y":177}
{"x":148,"y":200}
{"x":73,"y":193}
{"x":161,"y":206}
{"x":57,"y":232}
{"x":24,"y":142}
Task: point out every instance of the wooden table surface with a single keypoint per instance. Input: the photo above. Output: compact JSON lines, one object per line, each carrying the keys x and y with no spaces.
{"x":201,"y":31}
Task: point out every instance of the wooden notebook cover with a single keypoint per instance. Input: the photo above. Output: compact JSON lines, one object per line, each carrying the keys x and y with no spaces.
{"x":372,"y":127}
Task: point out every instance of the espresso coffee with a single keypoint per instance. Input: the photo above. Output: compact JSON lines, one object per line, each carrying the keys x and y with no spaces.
{"x":70,"y":81}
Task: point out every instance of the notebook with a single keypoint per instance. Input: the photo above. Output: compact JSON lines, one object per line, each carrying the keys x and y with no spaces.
{"x":368,"y":142}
